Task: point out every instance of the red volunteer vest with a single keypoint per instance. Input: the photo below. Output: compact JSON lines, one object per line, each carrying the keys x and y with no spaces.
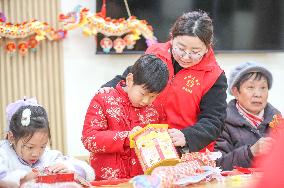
{"x":181,"y":98}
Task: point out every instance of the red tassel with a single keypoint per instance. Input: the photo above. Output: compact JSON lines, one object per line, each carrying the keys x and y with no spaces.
{"x":103,"y":10}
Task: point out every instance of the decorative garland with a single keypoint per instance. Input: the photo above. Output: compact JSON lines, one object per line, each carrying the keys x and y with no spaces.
{"x":92,"y":24}
{"x":32,"y":32}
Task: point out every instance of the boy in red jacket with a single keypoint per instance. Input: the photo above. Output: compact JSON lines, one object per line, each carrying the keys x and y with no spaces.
{"x":112,"y":116}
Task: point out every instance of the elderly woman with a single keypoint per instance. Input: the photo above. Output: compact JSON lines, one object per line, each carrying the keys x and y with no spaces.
{"x":248,"y":115}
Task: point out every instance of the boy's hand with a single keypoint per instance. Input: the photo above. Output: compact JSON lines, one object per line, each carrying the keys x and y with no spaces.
{"x":58,"y":168}
{"x":134,"y":130}
{"x":177,"y":137}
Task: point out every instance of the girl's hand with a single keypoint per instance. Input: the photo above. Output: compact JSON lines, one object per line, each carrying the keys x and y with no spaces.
{"x":58,"y":168}
{"x":177,"y":137}
{"x":30,"y":176}
{"x":7,"y":184}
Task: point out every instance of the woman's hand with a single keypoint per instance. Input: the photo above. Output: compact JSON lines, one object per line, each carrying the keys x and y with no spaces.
{"x":58,"y":168}
{"x":104,"y":90}
{"x":177,"y":137}
{"x":262,"y":146}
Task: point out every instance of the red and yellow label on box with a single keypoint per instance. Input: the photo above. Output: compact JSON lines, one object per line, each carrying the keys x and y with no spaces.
{"x":154,"y":147}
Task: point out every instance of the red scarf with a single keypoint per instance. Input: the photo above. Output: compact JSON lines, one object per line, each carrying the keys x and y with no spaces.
{"x":254,"y":120}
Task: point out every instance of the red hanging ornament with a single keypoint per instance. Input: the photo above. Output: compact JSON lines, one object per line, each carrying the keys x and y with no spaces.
{"x":32,"y":43}
{"x":10,"y":47}
{"x":23,"y":48}
{"x":106,"y":44}
{"x":119,"y":45}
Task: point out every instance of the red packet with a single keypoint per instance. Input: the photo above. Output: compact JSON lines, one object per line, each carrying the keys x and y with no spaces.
{"x":55,"y":178}
{"x":51,"y":178}
{"x":244,"y":170}
{"x":239,"y":171}
{"x":65,"y":177}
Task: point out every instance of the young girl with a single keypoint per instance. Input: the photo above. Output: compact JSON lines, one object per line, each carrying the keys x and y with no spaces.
{"x":26,"y":149}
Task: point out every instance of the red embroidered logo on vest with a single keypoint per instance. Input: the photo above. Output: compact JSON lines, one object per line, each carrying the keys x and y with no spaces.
{"x":191,"y":81}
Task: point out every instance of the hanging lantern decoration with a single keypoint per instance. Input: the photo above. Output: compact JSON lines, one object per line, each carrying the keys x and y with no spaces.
{"x":106,"y":44}
{"x":32,"y":43}
{"x":130,"y":41}
{"x":119,"y":45}
{"x":23,"y":48}
{"x":30,"y":32}
{"x":92,"y":24}
{"x":11,"y":48}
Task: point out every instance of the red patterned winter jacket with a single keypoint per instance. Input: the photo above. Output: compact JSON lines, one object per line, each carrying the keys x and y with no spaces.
{"x":108,"y":120}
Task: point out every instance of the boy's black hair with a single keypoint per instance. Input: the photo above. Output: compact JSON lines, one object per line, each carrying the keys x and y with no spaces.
{"x":151,"y":72}
{"x":38,"y":122}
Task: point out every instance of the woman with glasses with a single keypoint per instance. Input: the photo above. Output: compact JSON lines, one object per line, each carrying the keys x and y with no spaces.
{"x":195,"y":97}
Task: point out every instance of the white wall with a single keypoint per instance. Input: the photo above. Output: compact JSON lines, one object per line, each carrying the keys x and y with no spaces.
{"x":273,"y":61}
{"x":85,"y":72}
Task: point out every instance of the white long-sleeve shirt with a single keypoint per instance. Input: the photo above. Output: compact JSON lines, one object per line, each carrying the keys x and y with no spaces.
{"x":13,"y":168}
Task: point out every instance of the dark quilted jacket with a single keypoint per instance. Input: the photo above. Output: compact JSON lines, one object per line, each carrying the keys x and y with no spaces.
{"x":238,"y":135}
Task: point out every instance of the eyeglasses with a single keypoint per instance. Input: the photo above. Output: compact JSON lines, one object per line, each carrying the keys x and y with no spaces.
{"x":187,"y":55}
